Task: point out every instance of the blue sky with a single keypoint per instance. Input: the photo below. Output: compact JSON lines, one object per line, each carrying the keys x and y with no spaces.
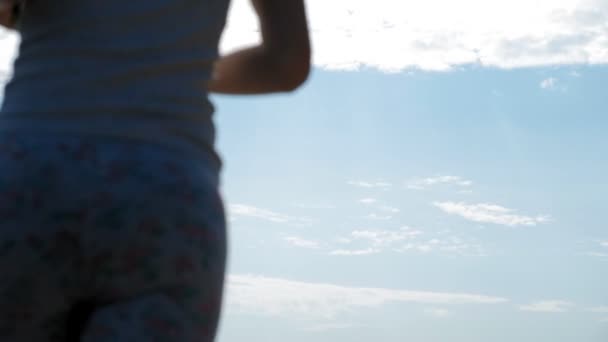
{"x":478,"y":181}
{"x":440,"y":177}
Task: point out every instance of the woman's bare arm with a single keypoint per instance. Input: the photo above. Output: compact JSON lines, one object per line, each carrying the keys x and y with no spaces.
{"x":280,"y":63}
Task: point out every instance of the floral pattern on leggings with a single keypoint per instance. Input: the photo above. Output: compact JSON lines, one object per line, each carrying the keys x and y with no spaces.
{"x":107,"y":240}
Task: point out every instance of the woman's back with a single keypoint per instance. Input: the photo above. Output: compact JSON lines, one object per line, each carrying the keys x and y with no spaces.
{"x":141,"y":60}
{"x":110,"y":239}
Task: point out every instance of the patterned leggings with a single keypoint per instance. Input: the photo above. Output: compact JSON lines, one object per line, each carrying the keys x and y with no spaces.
{"x":107,"y":240}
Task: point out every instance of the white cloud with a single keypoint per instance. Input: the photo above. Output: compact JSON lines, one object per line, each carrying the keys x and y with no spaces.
{"x":314,"y":206}
{"x":437,"y":312}
{"x":251,"y":211}
{"x":389,"y":209}
{"x":343,"y":240}
{"x":604,"y":244}
{"x":449,"y":245}
{"x":549,"y":306}
{"x":374,"y":203}
{"x":549,"y":83}
{"x":490,"y":213}
{"x":371,"y":185}
{"x":354,"y":252}
{"x":374,"y":216}
{"x":303,"y":243}
{"x":320,"y":327}
{"x":419,"y":247}
{"x":600,"y":309}
{"x":598,"y":254}
{"x":421,"y":184}
{"x":393,"y":35}
{"x":407,"y":240}
{"x":243,"y":210}
{"x":261,"y":295}
{"x":553,"y":83}
{"x":383,"y":238}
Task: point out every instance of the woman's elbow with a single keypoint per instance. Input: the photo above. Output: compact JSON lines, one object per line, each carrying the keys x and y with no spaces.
{"x":294,"y":71}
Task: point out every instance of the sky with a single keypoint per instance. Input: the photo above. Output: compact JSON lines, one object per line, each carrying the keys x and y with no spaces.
{"x":441,"y":177}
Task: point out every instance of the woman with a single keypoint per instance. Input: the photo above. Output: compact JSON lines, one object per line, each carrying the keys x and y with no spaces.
{"x":111,"y":224}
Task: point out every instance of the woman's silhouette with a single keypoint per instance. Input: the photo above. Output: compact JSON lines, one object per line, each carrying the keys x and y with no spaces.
{"x":111,"y":224}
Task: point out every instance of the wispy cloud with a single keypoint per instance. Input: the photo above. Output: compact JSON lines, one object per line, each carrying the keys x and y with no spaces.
{"x":419,"y":247}
{"x":383,"y":238}
{"x":261,"y":295}
{"x":375,"y":204}
{"x":442,"y":35}
{"x":320,"y":327}
{"x":319,"y":206}
{"x":370,"y":185}
{"x":548,"y":306}
{"x":449,"y":245}
{"x":549,"y":83}
{"x":437,"y":312}
{"x":601,"y":250}
{"x":575,"y":74}
{"x":354,"y":252}
{"x":343,"y":240}
{"x":599,"y":309}
{"x":406,"y":240}
{"x":490,"y":213}
{"x":424,"y":183}
{"x":377,"y":217}
{"x":243,"y":210}
{"x":302,"y":243}
{"x":389,"y":209}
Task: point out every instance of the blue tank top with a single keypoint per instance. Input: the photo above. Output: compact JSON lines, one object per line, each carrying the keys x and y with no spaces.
{"x":136,"y":69}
